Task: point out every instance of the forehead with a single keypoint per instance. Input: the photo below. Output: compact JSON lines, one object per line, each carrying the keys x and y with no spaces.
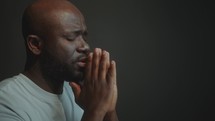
{"x":68,"y":21}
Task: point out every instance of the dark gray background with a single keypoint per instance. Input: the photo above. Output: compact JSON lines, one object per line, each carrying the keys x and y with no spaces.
{"x":163,"y":48}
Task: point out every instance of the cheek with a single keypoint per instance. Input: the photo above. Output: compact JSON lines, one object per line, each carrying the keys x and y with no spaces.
{"x":66,"y":51}
{"x":63,"y":50}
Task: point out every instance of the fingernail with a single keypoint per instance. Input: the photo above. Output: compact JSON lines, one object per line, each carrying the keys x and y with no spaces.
{"x":113,"y":62}
{"x":103,"y":52}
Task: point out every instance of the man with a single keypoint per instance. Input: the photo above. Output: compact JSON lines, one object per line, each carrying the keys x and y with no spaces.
{"x":58,"y":58}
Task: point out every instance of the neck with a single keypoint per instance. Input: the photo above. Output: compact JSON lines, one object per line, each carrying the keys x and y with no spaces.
{"x":46,"y":83}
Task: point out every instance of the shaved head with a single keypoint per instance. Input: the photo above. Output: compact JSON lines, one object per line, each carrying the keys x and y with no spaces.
{"x":40,"y":16}
{"x":55,"y":37}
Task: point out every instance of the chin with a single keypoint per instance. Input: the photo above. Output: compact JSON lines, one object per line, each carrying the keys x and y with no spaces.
{"x":76,"y":77}
{"x":73,"y":73}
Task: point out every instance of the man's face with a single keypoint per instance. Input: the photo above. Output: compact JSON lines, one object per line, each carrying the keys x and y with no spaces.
{"x":65,"y":49}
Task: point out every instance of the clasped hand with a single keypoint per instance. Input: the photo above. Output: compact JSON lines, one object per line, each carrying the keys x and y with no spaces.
{"x":99,"y":90}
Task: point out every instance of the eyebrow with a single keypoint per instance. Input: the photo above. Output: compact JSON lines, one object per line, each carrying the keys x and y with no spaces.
{"x":85,"y":32}
{"x":77,"y":32}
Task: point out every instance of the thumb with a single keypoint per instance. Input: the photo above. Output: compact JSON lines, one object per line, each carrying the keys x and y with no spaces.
{"x":76,"y":89}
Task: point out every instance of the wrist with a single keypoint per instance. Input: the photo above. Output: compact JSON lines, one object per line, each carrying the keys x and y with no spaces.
{"x":111,"y":116}
{"x":94,"y":115}
{"x":110,"y":113}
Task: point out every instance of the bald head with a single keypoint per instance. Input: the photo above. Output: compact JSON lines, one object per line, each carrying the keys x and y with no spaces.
{"x":41,"y":16}
{"x":46,"y":23}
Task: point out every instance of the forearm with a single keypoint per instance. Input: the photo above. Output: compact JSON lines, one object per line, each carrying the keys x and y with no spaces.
{"x":111,"y":116}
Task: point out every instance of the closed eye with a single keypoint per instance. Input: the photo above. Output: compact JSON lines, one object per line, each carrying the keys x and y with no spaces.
{"x":72,"y":36}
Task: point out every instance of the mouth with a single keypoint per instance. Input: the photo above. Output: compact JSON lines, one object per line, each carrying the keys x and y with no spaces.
{"x":82,"y":62}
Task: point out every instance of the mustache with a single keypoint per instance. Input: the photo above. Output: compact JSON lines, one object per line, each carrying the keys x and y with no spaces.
{"x":82,"y":58}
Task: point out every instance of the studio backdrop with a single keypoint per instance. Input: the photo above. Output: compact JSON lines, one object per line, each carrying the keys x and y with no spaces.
{"x":163,"y":49}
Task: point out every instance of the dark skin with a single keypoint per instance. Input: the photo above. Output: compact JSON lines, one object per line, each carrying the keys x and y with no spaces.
{"x":57,"y":51}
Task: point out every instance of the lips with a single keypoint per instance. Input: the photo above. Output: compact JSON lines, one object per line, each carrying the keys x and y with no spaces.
{"x":82,"y":62}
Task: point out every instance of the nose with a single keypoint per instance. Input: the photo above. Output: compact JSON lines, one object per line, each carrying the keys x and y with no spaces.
{"x":84,"y":47}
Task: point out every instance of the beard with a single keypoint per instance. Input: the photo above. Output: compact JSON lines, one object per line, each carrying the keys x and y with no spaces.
{"x":55,"y":70}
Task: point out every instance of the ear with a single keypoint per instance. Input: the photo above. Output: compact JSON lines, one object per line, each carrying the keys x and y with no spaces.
{"x":34,"y":44}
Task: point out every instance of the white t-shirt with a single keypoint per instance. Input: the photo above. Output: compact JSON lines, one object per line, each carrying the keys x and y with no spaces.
{"x":22,"y":100}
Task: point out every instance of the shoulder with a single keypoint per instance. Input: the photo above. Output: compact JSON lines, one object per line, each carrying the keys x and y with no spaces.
{"x":9,"y":84}
{"x":11,"y":89}
{"x":14,"y":91}
{"x":10,"y":99}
